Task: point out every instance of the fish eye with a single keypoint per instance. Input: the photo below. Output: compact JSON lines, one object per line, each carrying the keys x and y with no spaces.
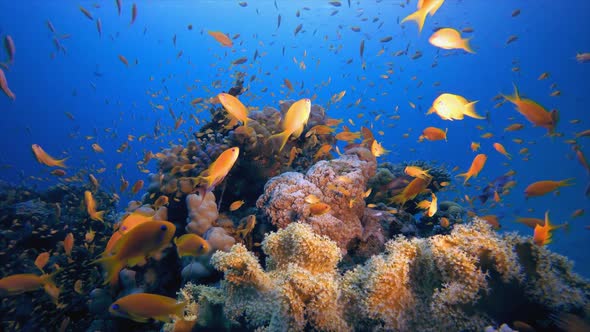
{"x":163,"y":227}
{"x":115,"y":306}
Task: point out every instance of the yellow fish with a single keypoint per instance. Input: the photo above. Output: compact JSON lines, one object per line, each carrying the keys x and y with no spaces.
{"x":91,"y":207}
{"x":191,"y":245}
{"x":234,"y":107}
{"x":141,"y":307}
{"x":425,"y":7}
{"x":21,"y":283}
{"x":46,"y":159}
{"x":218,"y":169}
{"x":453,"y":107}
{"x":143,"y":241}
{"x":450,"y":39}
{"x":294,"y":122}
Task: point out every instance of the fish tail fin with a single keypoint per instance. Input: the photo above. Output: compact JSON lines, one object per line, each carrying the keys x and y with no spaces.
{"x":418,"y":16}
{"x":469,"y":110}
{"x":466,"y":175}
{"x":466,"y":46}
{"x":112,"y":266}
{"x":99,"y":215}
{"x":61,"y":162}
{"x":514,"y":98}
{"x":283,"y":137}
{"x":566,"y":182}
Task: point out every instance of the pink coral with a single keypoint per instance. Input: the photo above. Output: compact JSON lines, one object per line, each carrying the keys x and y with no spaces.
{"x":340,"y":183}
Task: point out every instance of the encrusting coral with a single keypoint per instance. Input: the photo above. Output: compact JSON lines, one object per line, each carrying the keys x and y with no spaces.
{"x":457,"y":280}
{"x":340,"y":183}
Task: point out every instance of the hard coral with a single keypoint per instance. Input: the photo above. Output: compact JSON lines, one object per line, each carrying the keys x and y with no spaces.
{"x":340,"y":183}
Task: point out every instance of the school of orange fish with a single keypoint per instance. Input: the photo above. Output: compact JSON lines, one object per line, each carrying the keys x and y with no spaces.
{"x":138,"y":237}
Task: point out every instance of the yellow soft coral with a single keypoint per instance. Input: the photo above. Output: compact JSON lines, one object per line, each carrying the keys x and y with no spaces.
{"x":300,"y":288}
{"x":382,"y":288}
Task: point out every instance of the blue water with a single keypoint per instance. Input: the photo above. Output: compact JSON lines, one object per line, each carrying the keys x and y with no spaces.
{"x":48,"y":83}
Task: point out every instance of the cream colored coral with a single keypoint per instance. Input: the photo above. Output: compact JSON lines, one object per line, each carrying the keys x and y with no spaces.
{"x":300,"y":287}
{"x":299,"y":245}
{"x":202,"y":212}
{"x":382,"y":288}
{"x":416,"y":285}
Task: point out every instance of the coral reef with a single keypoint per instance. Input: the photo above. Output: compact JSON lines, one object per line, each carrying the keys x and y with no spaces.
{"x":459,"y":281}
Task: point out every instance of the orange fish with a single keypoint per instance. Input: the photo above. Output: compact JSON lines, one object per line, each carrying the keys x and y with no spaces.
{"x":97,"y":148}
{"x":191,"y":245}
{"x":295,"y":120}
{"x":133,"y":13}
{"x":218,"y":170}
{"x":541,"y":188}
{"x":417,"y":172}
{"x":288,"y":84}
{"x":222,"y":38}
{"x":433,"y":134}
{"x":86,"y":13}
{"x":236,"y":205}
{"x":542,"y":235}
{"x":143,"y":241}
{"x":91,"y":207}
{"x":449,"y":39}
{"x":319,"y":208}
{"x":234,"y":107}
{"x":377,"y":149}
{"x":137,"y":186}
{"x":21,"y":283}
{"x":534,"y":112}
{"x":514,"y":127}
{"x":4,"y":86}
{"x":46,"y":159}
{"x":141,"y":307}
{"x":123,"y":60}
{"x":582,"y":159}
{"x":492,"y":220}
{"x":444,"y":222}
{"x":58,"y":172}
{"x":417,"y":186}
{"x":10,"y":49}
{"x":161,"y":201}
{"x":69,"y":244}
{"x":476,"y":167}
{"x":42,"y":260}
{"x":425,"y":7}
{"x":500,"y":148}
